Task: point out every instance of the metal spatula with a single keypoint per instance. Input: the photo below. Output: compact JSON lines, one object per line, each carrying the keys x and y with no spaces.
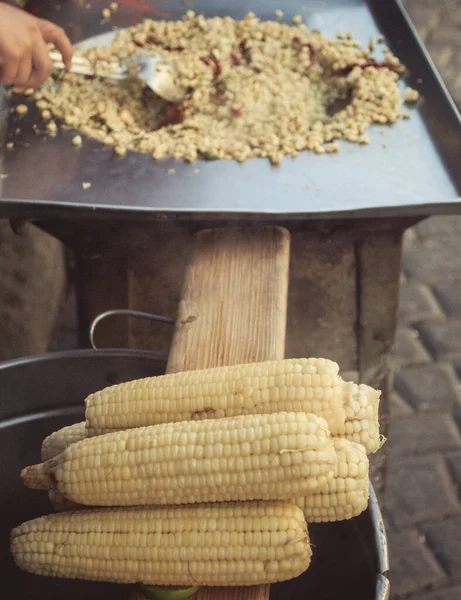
{"x":149,"y":67}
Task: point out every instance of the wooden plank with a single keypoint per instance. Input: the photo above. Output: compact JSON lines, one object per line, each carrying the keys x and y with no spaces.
{"x":233,"y":310}
{"x":234,"y":301}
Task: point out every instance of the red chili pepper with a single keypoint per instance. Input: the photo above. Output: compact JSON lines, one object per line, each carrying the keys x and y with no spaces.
{"x":312,"y":50}
{"x":235,"y":59}
{"x":156,"y":42}
{"x":217,"y":64}
{"x":139,"y":44}
{"x":221,"y":88}
{"x":205,"y":60}
{"x":173,"y":116}
{"x":237,"y":112}
{"x":153,"y":40}
{"x":246,"y":53}
{"x":377,"y":65}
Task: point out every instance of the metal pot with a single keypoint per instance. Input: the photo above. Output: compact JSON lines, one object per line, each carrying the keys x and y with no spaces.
{"x":41,"y":394}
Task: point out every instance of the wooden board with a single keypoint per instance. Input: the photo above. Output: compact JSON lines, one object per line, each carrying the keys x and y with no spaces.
{"x":233,"y":310}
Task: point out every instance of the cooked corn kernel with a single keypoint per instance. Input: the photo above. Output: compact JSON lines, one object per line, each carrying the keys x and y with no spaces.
{"x":252,"y":457}
{"x":301,"y":385}
{"x":213,"y":545}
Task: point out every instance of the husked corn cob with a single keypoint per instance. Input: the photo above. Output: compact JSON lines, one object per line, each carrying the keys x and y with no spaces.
{"x":251,"y":457}
{"x":299,"y":385}
{"x":58,"y":441}
{"x":361,"y":403}
{"x":245,"y":543}
{"x":346,"y":495}
{"x":52,"y":446}
{"x":60,"y":503}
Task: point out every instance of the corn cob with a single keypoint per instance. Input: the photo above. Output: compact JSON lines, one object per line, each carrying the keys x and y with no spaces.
{"x":346,"y":495}
{"x":58,"y":441}
{"x":252,"y":457}
{"x":245,"y":543}
{"x":361,"y":403}
{"x":59,"y":503}
{"x":299,"y":385}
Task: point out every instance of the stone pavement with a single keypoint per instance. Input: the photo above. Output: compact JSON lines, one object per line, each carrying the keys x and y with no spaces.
{"x":423,"y":501}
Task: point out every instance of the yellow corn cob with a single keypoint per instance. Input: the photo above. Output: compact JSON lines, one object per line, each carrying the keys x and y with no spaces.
{"x":252,"y":457}
{"x":60,"y":503}
{"x":245,"y":543}
{"x":58,"y":441}
{"x":346,"y":495}
{"x":299,"y":385}
{"x":361,"y":403}
{"x":52,"y":446}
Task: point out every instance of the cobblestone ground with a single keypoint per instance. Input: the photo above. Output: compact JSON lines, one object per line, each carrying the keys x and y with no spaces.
{"x":423,"y":503}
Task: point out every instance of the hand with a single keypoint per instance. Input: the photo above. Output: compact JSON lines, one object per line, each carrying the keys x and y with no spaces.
{"x":24,"y":59}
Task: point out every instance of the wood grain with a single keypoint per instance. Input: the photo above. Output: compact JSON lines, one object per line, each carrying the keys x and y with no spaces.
{"x":234,"y":301}
{"x":233,"y":310}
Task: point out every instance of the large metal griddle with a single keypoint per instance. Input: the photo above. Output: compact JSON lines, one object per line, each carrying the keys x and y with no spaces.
{"x":411,"y":168}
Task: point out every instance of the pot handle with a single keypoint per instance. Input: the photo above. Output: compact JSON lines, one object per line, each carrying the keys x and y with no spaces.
{"x":127,"y":312}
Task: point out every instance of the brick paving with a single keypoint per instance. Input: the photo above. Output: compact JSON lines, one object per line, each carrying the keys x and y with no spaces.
{"x":423,"y":501}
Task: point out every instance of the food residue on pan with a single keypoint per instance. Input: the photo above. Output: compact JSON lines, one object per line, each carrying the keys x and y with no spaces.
{"x":411,"y":96}
{"x":253,"y":89}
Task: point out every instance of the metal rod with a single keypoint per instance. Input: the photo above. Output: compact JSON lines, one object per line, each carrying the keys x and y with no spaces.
{"x":129,"y":313}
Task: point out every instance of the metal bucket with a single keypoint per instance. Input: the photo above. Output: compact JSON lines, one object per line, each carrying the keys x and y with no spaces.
{"x":41,"y":394}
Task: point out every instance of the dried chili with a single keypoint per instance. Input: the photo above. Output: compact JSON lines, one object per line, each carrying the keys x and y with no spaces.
{"x":156,"y":42}
{"x":173,"y":116}
{"x":219,"y":84}
{"x":313,"y":52}
{"x":217,"y":65}
{"x":221,"y":87}
{"x":153,"y":41}
{"x":245,"y":51}
{"x":235,"y":59}
{"x":376,"y":65}
{"x":205,"y":60}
